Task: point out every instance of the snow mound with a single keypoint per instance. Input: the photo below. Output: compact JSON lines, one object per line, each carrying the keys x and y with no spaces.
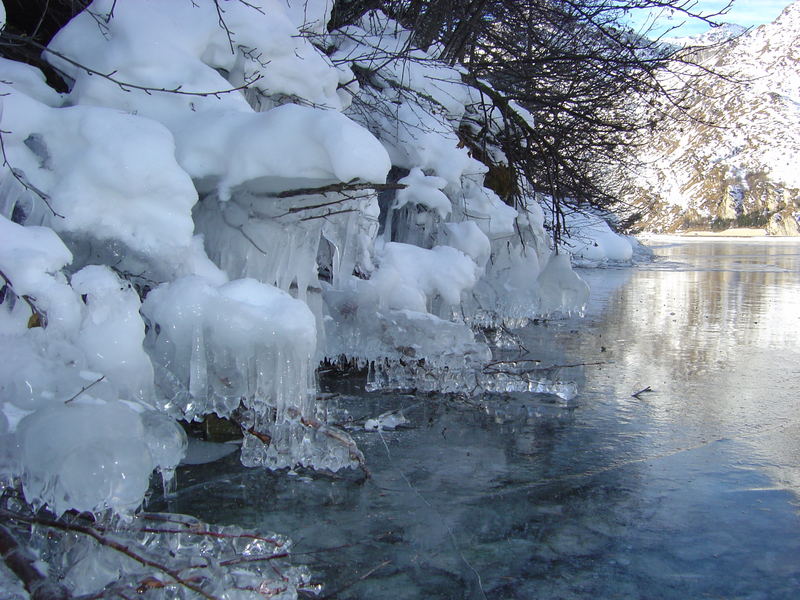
{"x":171,"y":44}
{"x":124,"y":187}
{"x":277,"y":149}
{"x":594,"y":243}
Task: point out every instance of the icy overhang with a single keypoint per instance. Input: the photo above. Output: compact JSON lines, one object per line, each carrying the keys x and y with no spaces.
{"x":281,"y":149}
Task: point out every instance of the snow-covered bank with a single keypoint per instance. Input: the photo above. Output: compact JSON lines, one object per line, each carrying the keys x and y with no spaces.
{"x":205,"y":216}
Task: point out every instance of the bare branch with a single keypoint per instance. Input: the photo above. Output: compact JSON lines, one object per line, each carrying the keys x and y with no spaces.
{"x":23,"y":564}
{"x":126,"y":85}
{"x":38,"y":317}
{"x":85,"y":388}
{"x":20,"y":177}
{"x":338,"y":187}
{"x":93,"y":533}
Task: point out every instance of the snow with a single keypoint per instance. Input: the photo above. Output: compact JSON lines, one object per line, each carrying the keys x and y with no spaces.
{"x":593,"y":242}
{"x":426,"y":98}
{"x":714,"y":36}
{"x":289,"y":142}
{"x":468,"y":237}
{"x":425,"y":191}
{"x":155,"y":270}
{"x":31,"y":259}
{"x":28,"y":80}
{"x":309,"y":15}
{"x":491,"y":214}
{"x":164,"y":44}
{"x":409,"y":277}
{"x":111,"y":331}
{"x":123,"y":187}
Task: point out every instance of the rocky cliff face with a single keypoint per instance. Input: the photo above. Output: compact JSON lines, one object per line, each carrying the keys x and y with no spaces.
{"x":734,"y":162}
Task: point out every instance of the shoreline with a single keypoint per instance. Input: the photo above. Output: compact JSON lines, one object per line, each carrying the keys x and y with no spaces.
{"x":736,"y":234}
{"x":739,"y":232}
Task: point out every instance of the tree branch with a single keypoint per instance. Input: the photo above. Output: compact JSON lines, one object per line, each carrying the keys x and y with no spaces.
{"x":125,"y":85}
{"x":93,"y":533}
{"x":38,"y":317}
{"x":338,"y":187}
{"x":23,"y":564}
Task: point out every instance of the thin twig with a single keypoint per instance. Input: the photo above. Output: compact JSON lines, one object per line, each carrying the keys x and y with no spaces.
{"x":20,"y":177}
{"x":127,"y":86}
{"x":346,"y":586}
{"x":108,"y":543}
{"x":340,"y":187}
{"x":85,"y":388}
{"x":38,"y":317}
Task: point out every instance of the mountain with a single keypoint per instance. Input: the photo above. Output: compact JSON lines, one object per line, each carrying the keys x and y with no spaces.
{"x":712,"y":37}
{"x":729,"y":156}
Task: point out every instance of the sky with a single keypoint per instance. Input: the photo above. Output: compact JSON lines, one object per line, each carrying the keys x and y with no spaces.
{"x":743,"y":12}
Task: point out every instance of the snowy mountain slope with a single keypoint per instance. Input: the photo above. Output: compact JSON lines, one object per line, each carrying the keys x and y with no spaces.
{"x":735,"y":162}
{"x":713,"y":36}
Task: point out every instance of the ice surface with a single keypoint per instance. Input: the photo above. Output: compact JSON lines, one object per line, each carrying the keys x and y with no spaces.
{"x":199,"y":452}
{"x":262,"y":247}
{"x":220,"y":346}
{"x":404,"y":348}
{"x":216,"y":561}
{"x":387,"y":421}
{"x":247,"y":348}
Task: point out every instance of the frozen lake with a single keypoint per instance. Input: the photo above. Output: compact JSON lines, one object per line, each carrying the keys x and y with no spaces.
{"x":691,"y":490}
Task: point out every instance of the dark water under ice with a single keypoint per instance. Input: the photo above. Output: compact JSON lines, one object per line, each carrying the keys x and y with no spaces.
{"x":689,"y":491}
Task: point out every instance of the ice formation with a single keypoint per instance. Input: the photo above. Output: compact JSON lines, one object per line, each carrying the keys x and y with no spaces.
{"x":227,"y":225}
